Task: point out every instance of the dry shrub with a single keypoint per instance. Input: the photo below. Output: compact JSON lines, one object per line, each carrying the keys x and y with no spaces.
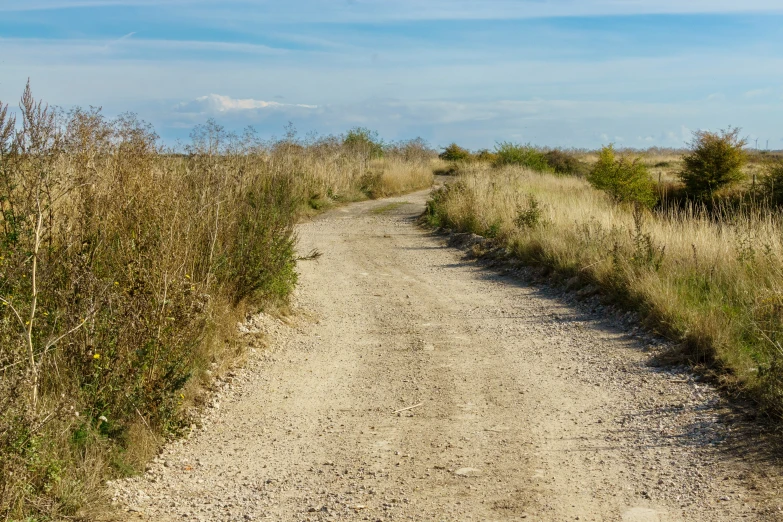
{"x":565,"y":162}
{"x":123,"y":270}
{"x":716,"y":285}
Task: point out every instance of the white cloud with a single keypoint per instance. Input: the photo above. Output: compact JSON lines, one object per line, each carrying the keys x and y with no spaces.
{"x":219,"y":104}
{"x":757,"y":93}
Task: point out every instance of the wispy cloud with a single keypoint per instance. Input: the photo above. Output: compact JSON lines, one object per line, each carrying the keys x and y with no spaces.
{"x":757,"y":93}
{"x":329,"y":10}
{"x":119,"y":40}
{"x":149,"y":49}
{"x":214,"y":104}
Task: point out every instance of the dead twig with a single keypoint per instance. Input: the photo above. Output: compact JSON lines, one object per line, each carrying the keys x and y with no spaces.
{"x":408,"y":408}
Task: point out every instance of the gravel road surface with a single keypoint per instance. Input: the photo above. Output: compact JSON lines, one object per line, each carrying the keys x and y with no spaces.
{"x":416,"y":384}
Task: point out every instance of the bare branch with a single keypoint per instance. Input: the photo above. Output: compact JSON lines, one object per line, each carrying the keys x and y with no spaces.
{"x":13,"y":308}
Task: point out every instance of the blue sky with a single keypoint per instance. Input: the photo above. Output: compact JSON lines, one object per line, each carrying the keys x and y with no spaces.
{"x":573,"y":73}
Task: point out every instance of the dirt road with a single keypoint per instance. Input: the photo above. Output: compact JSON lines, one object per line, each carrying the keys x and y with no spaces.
{"x":417,"y":385}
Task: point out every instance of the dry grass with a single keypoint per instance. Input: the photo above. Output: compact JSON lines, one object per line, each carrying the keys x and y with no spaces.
{"x":391,"y":176}
{"x":124,"y":269}
{"x":716,"y":285}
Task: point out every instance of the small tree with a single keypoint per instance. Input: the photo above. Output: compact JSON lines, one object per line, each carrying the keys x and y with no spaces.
{"x":365,"y":142}
{"x":455,"y":153}
{"x":625,"y":180}
{"x":715,"y":161}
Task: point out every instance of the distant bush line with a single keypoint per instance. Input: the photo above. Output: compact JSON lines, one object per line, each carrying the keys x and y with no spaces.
{"x":557,"y":161}
{"x":715,"y":172}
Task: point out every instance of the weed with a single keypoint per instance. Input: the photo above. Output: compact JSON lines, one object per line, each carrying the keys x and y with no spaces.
{"x":646,"y":254}
{"x":529,"y":216}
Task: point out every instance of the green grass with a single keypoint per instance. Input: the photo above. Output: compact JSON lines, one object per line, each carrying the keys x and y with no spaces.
{"x":389,"y":207}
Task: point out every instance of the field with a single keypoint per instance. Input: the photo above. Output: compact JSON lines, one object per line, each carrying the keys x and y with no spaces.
{"x":124,"y":268}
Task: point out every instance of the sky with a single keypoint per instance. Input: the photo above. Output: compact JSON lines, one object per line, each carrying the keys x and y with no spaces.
{"x":558,"y":73}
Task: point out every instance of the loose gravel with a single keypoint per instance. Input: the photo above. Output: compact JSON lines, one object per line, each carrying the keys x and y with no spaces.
{"x":418,"y":384}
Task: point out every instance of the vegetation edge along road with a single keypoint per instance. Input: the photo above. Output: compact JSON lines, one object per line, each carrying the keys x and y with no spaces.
{"x":124,"y":269}
{"x":703,"y":272}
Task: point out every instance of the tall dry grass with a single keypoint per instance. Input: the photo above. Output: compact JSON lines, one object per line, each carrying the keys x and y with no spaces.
{"x":123,"y":271}
{"x":714,"y":284}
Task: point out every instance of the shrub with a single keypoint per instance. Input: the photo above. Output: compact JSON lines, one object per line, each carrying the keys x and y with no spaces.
{"x":529,"y":216}
{"x":563,"y":162}
{"x":485,"y":155}
{"x":507,"y":153}
{"x":415,"y":150}
{"x":455,"y":153}
{"x":623,"y":179}
{"x":715,"y":161}
{"x":364,"y":142}
{"x":772,"y":183}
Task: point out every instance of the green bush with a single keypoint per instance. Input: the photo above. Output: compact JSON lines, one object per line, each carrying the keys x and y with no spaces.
{"x":625,"y":180}
{"x":772,"y":183}
{"x":715,"y":161}
{"x":507,"y":153}
{"x":455,"y":153}
{"x":364,"y":142}
{"x":530,"y":216}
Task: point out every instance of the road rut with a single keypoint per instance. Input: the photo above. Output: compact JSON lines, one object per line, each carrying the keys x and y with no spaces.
{"x":415,"y":384}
